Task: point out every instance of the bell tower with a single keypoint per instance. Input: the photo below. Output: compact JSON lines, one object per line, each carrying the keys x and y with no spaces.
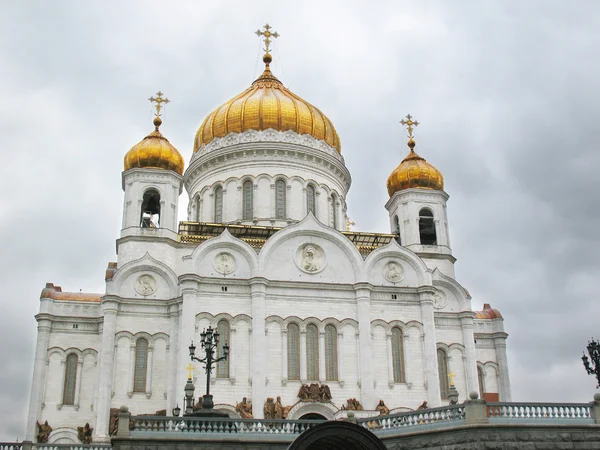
{"x":152,"y":180}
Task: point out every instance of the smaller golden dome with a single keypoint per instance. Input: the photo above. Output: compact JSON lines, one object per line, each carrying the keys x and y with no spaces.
{"x":154,"y":152}
{"x":414,"y":172}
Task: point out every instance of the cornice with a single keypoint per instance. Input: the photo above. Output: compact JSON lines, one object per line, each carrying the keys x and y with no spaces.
{"x":137,"y":174}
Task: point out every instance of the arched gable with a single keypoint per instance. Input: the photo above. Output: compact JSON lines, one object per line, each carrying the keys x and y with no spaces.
{"x":451,"y":286}
{"x":414,"y":271}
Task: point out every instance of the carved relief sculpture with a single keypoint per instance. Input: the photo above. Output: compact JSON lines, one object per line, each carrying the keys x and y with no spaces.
{"x":314,"y":393}
{"x":393,"y":272}
{"x":352,"y":405}
{"x":44,"y":431}
{"x":224,"y":263}
{"x":383,"y":410}
{"x":145,"y":285}
{"x":310,"y":258}
{"x":85,"y":434}
{"x":244,"y":408}
{"x":439,"y":300}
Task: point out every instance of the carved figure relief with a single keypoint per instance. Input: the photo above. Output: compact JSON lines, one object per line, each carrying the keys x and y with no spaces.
{"x":439,"y":300}
{"x":224,"y":263}
{"x":383,"y":410}
{"x":314,"y":393}
{"x":393,"y":272}
{"x":145,"y":285}
{"x":352,"y":405}
{"x":85,"y":434}
{"x":310,"y":258}
{"x":44,"y":431}
{"x":244,"y":408}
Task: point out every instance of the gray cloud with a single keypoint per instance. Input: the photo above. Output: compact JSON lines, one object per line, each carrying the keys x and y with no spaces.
{"x":506,"y":93}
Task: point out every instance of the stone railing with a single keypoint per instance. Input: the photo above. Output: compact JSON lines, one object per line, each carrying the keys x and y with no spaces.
{"x":540,"y":412}
{"x":25,"y":445}
{"x":438,"y":417}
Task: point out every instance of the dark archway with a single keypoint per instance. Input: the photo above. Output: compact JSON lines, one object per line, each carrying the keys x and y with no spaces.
{"x":337,"y":435}
{"x":313,"y":416}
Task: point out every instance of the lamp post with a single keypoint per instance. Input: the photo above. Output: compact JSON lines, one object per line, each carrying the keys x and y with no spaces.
{"x":209,"y":339}
{"x":593,"y":349}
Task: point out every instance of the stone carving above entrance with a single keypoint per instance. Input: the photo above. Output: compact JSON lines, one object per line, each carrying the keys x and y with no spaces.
{"x":393,"y":272}
{"x":224,"y":263}
{"x":310,"y":258}
{"x":314,"y":393}
{"x":145,"y":285}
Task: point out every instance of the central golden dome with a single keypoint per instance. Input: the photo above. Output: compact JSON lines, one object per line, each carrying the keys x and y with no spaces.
{"x":267,"y":104}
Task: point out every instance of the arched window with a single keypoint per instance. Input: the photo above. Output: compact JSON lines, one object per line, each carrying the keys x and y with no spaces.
{"x":150,"y":214}
{"x":293,"y":351}
{"x":312,"y":352}
{"x":396,"y":229}
{"x":310,"y":198}
{"x":280,"y":199}
{"x":331,"y":353}
{"x":398,"y":355}
{"x":443,"y":372}
{"x":222,"y":366}
{"x":427,"y":227}
{"x":218,"y":204}
{"x":480,"y":380}
{"x":70,"y":380}
{"x":141,"y":365}
{"x":334,"y":211}
{"x":247,"y":211}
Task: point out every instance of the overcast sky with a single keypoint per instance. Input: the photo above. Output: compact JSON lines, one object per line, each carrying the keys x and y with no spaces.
{"x":507,"y":93}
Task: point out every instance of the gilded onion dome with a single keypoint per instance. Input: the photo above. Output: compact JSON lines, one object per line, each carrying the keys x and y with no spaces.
{"x":414,"y":172}
{"x":267,"y":104}
{"x":154,"y":152}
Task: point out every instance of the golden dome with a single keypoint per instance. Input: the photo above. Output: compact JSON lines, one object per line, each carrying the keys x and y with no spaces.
{"x":267,"y":104}
{"x":154,"y":152}
{"x":414,"y":172}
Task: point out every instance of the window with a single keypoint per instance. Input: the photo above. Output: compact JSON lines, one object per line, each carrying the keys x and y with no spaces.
{"x":312,"y":352}
{"x":396,"y":229}
{"x":331,"y":353}
{"x":247,"y":212}
{"x":334,"y":211}
{"x":398,"y":355}
{"x":219,"y":204}
{"x":222,"y":366}
{"x":293,"y":350}
{"x":150,"y":214}
{"x":310,"y":199}
{"x":141,"y":365}
{"x":70,"y":380}
{"x":280,"y":199}
{"x":427,"y":227}
{"x":480,"y":380}
{"x":443,"y":372}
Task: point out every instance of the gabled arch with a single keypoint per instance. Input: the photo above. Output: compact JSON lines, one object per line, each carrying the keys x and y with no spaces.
{"x":145,"y":263}
{"x":394,"y":250}
{"x":461,"y":294}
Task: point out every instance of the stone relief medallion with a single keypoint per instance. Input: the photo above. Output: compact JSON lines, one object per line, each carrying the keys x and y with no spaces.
{"x":393,"y":272}
{"x":224,"y":263}
{"x":310,"y":258}
{"x":439,"y":300}
{"x":145,"y":285}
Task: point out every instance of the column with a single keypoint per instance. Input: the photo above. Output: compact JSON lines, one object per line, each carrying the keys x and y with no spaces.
{"x":109,"y":310}
{"x":63,"y":371}
{"x":187,"y":323}
{"x":340,"y":359}
{"x":358,"y":373}
{"x":149,"y":371}
{"x":504,"y":385}
{"x":272,"y":203}
{"x":226,"y":209}
{"x":232,"y":359}
{"x":466,"y":322}
{"x":284,"y":354}
{"x":258,"y":292}
{"x":39,"y":376}
{"x":131,"y":369}
{"x":363,"y":306}
{"x":173,"y":346}
{"x":322,"y":374}
{"x":430,"y":346}
{"x":390,"y":358}
{"x":78,"y":382}
{"x":303,"y":369}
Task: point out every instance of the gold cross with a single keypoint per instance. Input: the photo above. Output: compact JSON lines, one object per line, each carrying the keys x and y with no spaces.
{"x":451,"y":377}
{"x":267,"y":35}
{"x":409,"y":124}
{"x":159,"y":100}
{"x":349,"y":223}
{"x":190,"y":370}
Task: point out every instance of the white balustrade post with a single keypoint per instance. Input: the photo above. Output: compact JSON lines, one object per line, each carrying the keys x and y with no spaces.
{"x":426,"y":295}
{"x":39,"y":376}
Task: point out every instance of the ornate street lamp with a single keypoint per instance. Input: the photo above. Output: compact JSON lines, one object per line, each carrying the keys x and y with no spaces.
{"x":593,"y":349}
{"x":209,"y":339}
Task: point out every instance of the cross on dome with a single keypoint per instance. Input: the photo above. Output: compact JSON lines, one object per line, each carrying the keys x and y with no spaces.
{"x":159,"y":100}
{"x":267,"y":36}
{"x":409,"y":124}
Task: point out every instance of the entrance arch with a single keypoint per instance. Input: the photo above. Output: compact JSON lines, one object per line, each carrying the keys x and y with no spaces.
{"x":335,"y":435}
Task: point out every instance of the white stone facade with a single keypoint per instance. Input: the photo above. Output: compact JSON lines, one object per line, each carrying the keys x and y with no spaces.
{"x":162,"y":292}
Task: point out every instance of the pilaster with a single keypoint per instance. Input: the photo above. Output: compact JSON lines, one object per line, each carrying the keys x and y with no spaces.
{"x":500,"y":344}
{"x":426,"y":295}
{"x":258,"y":291}
{"x":367,"y":377}
{"x":466,"y":322}
{"x":39,"y":375}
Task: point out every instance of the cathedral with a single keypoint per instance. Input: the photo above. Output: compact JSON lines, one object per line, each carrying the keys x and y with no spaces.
{"x":323,"y":318}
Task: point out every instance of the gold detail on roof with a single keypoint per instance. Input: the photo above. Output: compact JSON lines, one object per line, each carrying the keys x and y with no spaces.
{"x":155,"y":151}
{"x":267,"y":103}
{"x":414,"y":171}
